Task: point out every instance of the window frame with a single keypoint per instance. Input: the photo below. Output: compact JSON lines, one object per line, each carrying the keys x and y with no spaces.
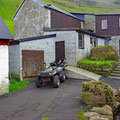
{"x":82,"y":47}
{"x":93,"y":39}
{"x":102,"y":24}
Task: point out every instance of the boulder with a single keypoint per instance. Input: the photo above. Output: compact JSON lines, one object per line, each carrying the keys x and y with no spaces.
{"x":90,"y":114}
{"x":118,"y":95}
{"x":104,"y":53}
{"x":97,"y":93}
{"x":102,"y":111}
{"x":98,"y":118}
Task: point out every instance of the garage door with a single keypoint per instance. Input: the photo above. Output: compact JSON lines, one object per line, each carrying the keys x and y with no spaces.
{"x":32,"y":62}
{"x":60,"y":50}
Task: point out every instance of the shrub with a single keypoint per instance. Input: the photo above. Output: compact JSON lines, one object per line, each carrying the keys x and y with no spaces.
{"x":104,"y":53}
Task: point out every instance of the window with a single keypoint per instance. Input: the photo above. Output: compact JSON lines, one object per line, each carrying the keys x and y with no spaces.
{"x":80,"y":41}
{"x":104,"y":24}
{"x":93,"y":42}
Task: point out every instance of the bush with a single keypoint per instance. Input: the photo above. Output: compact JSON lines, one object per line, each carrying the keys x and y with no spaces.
{"x":104,"y":53}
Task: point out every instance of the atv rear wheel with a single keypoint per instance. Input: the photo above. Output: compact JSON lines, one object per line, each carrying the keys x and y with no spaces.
{"x":56,"y":81}
{"x":63,"y":78}
{"x":66,"y":73}
{"x":38,"y":83}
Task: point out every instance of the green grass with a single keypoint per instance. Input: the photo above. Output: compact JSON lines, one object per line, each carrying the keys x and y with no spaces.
{"x":16,"y":84}
{"x":80,"y":115}
{"x":97,"y":62}
{"x":7,"y":10}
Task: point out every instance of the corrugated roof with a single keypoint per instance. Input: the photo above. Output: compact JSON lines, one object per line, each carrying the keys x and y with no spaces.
{"x":4,"y":32}
{"x":50,"y":7}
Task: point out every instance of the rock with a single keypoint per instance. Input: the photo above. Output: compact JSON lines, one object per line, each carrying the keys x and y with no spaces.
{"x":118,"y":95}
{"x":107,"y":107}
{"x":98,"y":118}
{"x":102,"y":111}
{"x":97,"y":93}
{"x":90,"y":114}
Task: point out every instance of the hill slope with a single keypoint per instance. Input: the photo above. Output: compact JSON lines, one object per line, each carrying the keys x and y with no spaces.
{"x":8,"y":7}
{"x":7,"y":10}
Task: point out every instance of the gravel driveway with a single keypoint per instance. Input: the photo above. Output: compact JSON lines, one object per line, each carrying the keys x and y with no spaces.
{"x":31,"y":103}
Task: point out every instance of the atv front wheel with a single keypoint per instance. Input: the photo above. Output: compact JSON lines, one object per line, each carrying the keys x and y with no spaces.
{"x":56,"y":81}
{"x":38,"y":83}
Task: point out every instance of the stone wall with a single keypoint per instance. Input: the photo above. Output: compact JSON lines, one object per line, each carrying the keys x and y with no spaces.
{"x":89,"y":22}
{"x":30,"y":20}
{"x":14,"y":59}
{"x":115,"y":43}
{"x":4,"y":70}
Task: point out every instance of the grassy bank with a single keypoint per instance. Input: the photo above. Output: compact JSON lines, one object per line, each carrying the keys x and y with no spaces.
{"x":16,"y":84}
{"x":101,"y":67}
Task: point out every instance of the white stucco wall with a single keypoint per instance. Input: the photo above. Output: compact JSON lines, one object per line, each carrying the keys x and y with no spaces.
{"x":14,"y":59}
{"x":4,"y":70}
{"x":115,"y":43}
{"x":83,"y":53}
{"x":101,"y":42}
{"x":70,"y":44}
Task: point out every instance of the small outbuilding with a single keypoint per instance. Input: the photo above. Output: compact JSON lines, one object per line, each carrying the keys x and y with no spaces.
{"x":5,"y":36}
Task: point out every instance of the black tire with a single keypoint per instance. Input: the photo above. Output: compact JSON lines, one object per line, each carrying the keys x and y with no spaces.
{"x":66,"y":73}
{"x":56,"y":81}
{"x":38,"y":83}
{"x":63,"y":78}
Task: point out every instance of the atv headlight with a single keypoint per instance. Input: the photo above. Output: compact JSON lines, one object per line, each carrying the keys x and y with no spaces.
{"x":50,"y":73}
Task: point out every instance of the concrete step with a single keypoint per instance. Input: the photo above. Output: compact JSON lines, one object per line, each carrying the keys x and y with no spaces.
{"x":114,"y":74}
{"x":115,"y":71}
{"x":114,"y":77}
{"x":78,"y":73}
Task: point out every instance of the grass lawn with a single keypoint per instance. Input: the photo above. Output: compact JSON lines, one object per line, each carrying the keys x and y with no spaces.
{"x":16,"y":84}
{"x":97,"y":62}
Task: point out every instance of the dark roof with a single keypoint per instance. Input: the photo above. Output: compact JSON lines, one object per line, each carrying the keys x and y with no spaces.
{"x":32,"y":39}
{"x":50,"y":7}
{"x":96,"y":14}
{"x":81,"y":16}
{"x":80,"y":30}
{"x":4,"y":32}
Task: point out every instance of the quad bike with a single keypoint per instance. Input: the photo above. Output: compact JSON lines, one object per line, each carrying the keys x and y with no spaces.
{"x":54,"y":73}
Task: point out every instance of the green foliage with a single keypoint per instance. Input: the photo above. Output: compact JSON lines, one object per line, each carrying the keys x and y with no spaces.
{"x":7,"y":10}
{"x":97,"y":62}
{"x":104,"y":53}
{"x":15,"y":83}
{"x":14,"y":77}
{"x":101,"y":67}
{"x":81,"y":116}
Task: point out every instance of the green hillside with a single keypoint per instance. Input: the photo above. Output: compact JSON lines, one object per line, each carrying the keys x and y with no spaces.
{"x":7,"y":10}
{"x":8,"y":7}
